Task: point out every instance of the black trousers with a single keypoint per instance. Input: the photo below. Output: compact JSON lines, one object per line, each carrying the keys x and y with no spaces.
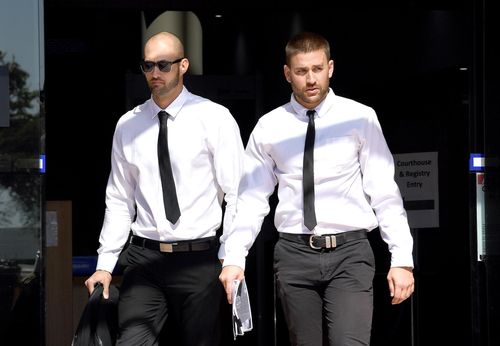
{"x":182,"y":286}
{"x":332,"y":288}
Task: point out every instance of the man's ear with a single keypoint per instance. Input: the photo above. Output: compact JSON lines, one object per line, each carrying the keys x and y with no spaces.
{"x":331,"y":66}
{"x":286,"y":71}
{"x":184,"y":65}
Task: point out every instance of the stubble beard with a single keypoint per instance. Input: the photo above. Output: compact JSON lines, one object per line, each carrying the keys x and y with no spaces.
{"x":164,"y":90}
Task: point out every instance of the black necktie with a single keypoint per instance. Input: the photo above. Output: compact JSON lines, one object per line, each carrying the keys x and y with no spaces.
{"x":167,"y":179}
{"x":308,"y":174}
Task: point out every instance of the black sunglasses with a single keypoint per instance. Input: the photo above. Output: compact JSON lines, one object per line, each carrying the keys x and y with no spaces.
{"x":163,"y":65}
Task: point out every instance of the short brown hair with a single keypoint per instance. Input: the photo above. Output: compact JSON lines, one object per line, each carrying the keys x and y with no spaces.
{"x":306,"y":42}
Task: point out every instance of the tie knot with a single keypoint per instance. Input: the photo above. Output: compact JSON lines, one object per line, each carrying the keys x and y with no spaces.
{"x":162,"y":116}
{"x":310,"y":113}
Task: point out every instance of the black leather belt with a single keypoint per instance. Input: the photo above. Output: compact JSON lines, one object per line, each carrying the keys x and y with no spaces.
{"x":201,"y":244}
{"x":327,"y":241}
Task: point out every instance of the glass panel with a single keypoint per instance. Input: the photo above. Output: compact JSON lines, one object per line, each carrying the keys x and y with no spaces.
{"x":20,"y":244}
{"x":21,"y":181}
{"x":492,"y":173}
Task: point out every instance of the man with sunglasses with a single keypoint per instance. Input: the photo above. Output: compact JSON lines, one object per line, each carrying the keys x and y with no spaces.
{"x":170,"y":266}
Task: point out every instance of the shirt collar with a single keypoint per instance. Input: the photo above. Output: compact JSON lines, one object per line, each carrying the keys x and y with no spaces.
{"x":320,"y":109}
{"x":174,"y":108}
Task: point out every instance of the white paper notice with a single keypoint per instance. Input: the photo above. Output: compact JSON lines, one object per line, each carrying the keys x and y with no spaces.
{"x":242,"y":314}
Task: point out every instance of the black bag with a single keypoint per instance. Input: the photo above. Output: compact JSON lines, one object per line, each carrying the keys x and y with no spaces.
{"x":98,"y":325}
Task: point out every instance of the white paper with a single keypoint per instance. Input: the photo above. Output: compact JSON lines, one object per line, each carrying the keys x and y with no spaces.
{"x":242,"y":314}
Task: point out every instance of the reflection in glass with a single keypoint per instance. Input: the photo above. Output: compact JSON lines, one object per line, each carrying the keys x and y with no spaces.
{"x":20,"y":142}
{"x":21,"y":183}
{"x":19,"y":258}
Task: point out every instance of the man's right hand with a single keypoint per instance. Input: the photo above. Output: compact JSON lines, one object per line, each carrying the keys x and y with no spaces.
{"x":227,"y":276}
{"x":102,"y":276}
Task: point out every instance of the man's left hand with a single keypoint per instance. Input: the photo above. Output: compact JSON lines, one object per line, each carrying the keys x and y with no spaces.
{"x":227,"y":276}
{"x":401,"y":283}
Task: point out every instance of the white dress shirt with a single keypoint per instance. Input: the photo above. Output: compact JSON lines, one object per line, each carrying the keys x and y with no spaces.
{"x":353,"y":175}
{"x":206,"y":153}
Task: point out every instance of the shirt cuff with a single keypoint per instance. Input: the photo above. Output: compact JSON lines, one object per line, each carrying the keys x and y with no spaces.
{"x":234,"y":260}
{"x":106,"y":262}
{"x":401,"y":260}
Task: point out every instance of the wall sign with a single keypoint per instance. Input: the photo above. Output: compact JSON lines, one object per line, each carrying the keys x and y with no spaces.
{"x":417,"y":177}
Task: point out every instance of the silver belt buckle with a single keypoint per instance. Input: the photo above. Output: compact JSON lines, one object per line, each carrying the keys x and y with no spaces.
{"x":164,"y":247}
{"x":311,"y":241}
{"x":330,"y":242}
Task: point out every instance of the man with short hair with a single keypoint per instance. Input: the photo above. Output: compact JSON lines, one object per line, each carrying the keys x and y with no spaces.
{"x":335,"y":177}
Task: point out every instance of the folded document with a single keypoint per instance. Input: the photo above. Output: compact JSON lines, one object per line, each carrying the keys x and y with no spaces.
{"x":242,"y":314}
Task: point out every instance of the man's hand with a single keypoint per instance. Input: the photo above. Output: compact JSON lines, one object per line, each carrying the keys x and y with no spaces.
{"x":227,"y":276}
{"x":401,"y":283}
{"x":102,"y":276}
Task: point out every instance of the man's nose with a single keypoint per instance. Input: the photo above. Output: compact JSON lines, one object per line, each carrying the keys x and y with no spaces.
{"x":156,"y":71}
{"x":310,"y":77}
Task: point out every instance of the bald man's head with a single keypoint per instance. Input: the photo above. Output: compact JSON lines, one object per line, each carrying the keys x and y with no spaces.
{"x":171,"y":42}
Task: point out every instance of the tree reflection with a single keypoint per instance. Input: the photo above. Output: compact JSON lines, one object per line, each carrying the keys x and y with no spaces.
{"x":20,"y":146}
{"x":20,"y":196}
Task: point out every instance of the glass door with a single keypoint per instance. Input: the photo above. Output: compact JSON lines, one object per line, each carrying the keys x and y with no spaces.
{"x":21,"y":172}
{"x":486,"y":253}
